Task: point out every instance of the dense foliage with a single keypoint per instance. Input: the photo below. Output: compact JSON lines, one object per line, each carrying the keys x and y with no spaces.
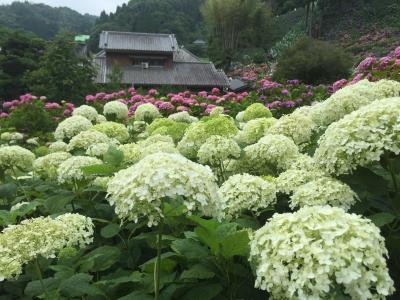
{"x":62,"y":72}
{"x":313,"y":62}
{"x":19,"y":55}
{"x":43,"y":20}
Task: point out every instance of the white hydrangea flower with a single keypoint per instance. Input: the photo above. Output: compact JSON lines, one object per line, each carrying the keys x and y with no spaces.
{"x":290,"y":180}
{"x":254,"y":130}
{"x":147,"y":112}
{"x":33,"y":141}
{"x":324,"y":191}
{"x":216,"y":111}
{"x":101,"y":119}
{"x":351,"y":98}
{"x":99,"y":149}
{"x":113,"y":130}
{"x":361,"y":137}
{"x":217,"y":149}
{"x":16,"y":136}
{"x":101,"y":182}
{"x":197,"y":133}
{"x":46,"y":166}
{"x":298,"y":127}
{"x":85,"y":139}
{"x":132,"y":153}
{"x":5,"y":136}
{"x":117,"y":109}
{"x":183,"y":117}
{"x":58,"y":146}
{"x":71,"y":126}
{"x":70,"y":170}
{"x":306,"y":254}
{"x":156,"y":138}
{"x":87,"y":112}
{"x":140,"y":190}
{"x":244,"y":192}
{"x":273,"y":153}
{"x":16,"y":157}
{"x":158,"y":147}
{"x":239,"y":117}
{"x":20,"y":244}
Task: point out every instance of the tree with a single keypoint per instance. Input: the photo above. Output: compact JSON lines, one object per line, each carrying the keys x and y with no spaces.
{"x":235,"y":24}
{"x":18,"y":55}
{"x":63,"y":74}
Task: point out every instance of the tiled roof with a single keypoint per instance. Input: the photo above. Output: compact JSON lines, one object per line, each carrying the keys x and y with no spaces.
{"x":184,"y":55}
{"x":180,"y":74}
{"x":134,"y":41}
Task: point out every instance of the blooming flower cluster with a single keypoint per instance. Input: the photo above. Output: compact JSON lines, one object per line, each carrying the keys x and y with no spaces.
{"x":272,"y":153}
{"x":70,"y":127}
{"x":116,"y":109}
{"x":351,"y":98}
{"x":46,"y":166}
{"x":70,"y":171}
{"x":244,"y":192}
{"x":306,"y":254}
{"x":218,"y":149}
{"x":20,"y":244}
{"x":256,"y":110}
{"x":140,"y":190}
{"x":324,"y":191}
{"x":290,"y":180}
{"x":87,"y":112}
{"x":199,"y":132}
{"x":254,"y":130}
{"x":147,"y":112}
{"x":361,"y":137}
{"x":16,"y":157}
{"x":85,"y":139}
{"x":113,"y":130}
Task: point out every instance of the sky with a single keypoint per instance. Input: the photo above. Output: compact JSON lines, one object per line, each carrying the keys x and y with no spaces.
{"x":93,"y":7}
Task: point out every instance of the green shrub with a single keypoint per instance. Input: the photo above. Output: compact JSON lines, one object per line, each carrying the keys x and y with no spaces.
{"x":313,"y":62}
{"x":31,"y":117}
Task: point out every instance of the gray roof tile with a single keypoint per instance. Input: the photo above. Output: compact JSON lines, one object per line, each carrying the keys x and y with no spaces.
{"x":134,"y":41}
{"x":180,"y":74}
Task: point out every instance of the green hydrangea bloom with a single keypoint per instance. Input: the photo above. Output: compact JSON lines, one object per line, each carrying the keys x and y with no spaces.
{"x":255,"y":111}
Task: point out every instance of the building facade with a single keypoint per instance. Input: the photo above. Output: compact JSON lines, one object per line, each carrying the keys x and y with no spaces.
{"x":148,"y":59}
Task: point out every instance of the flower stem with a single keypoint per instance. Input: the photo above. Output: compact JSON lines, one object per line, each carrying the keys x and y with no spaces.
{"x":39,"y":274}
{"x":158,"y":262}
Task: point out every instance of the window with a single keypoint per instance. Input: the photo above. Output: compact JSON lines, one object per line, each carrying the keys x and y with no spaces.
{"x":153,"y":62}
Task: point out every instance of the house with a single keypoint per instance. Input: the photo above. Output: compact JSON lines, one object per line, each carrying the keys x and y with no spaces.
{"x":149,"y":59}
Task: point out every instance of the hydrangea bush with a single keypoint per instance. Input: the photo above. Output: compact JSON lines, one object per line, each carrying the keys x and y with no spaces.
{"x":188,"y":196}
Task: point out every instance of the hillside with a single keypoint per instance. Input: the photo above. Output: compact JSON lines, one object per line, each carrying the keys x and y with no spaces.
{"x":364,"y":26}
{"x":43,"y":20}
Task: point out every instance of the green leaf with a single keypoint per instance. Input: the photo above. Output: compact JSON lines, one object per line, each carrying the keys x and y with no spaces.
{"x":8,"y":190}
{"x":137,"y":295}
{"x":100,"y":259}
{"x":103,"y":169}
{"x":6,"y":218}
{"x":197,"y":272}
{"x":235,"y":244}
{"x":26,"y":209}
{"x":114,"y":157}
{"x":34,"y":288}
{"x":190,"y":249}
{"x":203,"y":292}
{"x":382,"y":219}
{"x":56,"y":204}
{"x":79,"y":285}
{"x":110,"y":230}
{"x":167,"y":263}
